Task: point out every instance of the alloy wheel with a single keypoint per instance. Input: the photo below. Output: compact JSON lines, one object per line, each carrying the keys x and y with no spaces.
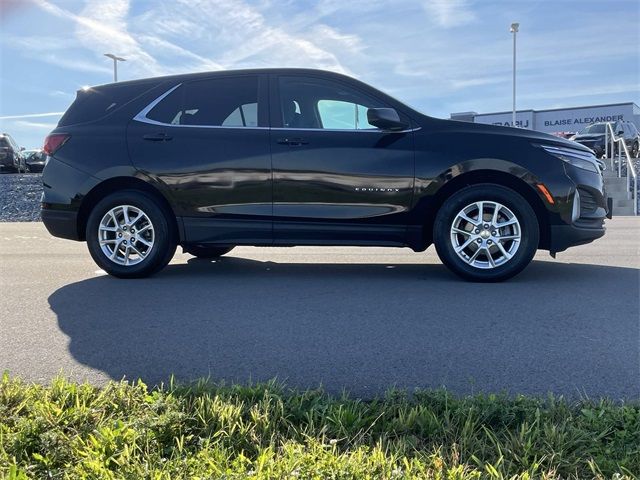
{"x":485,"y":234}
{"x":126,"y":235}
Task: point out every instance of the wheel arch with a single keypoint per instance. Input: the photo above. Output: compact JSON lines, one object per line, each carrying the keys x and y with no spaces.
{"x":115,"y":184}
{"x":497,"y":177}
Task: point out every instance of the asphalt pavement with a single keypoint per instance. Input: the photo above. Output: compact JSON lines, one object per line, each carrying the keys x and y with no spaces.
{"x":355,"y":319}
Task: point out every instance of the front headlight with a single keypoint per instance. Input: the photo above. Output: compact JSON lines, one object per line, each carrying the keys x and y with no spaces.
{"x":577,"y":158}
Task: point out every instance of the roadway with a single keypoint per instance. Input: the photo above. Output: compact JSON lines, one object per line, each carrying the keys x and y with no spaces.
{"x":359,"y":319}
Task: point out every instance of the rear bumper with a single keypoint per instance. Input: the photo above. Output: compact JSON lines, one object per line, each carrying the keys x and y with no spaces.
{"x":61,"y":223}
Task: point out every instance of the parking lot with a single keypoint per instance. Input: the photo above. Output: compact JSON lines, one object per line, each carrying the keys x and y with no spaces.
{"x":360,"y":319}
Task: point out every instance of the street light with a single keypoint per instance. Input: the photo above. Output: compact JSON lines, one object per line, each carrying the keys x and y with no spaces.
{"x":115,"y":64}
{"x":514,"y":30}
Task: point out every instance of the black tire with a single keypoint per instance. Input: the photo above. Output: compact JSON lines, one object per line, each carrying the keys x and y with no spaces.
{"x":518,"y":206}
{"x":165,"y":236}
{"x":202,"y":251}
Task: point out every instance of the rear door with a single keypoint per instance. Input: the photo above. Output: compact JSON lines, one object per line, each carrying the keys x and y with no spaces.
{"x":336,"y":179}
{"x":207,"y":142}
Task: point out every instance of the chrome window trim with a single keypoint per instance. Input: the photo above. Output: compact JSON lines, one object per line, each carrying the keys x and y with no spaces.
{"x":142,"y":117}
{"x":368,"y":130}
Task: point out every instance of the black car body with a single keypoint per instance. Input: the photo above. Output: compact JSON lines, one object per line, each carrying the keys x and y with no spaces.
{"x":595,"y":136}
{"x":307,"y":157}
{"x":11,"y":158}
{"x":35,"y":160}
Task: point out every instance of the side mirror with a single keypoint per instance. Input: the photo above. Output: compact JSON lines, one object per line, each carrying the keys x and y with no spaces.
{"x":385,"y":119}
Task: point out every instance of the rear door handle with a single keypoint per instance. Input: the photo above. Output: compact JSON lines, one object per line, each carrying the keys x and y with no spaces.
{"x":293,"y":142}
{"x":157,"y":137}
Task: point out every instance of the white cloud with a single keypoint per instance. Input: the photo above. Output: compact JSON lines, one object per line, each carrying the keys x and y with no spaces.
{"x":32,"y":115}
{"x":449,"y":13}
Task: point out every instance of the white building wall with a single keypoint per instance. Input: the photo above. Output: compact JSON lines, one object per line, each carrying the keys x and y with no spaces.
{"x":564,"y":120}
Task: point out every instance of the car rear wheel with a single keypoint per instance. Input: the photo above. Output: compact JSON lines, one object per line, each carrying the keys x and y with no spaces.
{"x":201,"y":251}
{"x":129,"y":235}
{"x":486,"y":233}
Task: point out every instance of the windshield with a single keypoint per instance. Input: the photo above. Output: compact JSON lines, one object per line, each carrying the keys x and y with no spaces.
{"x":595,"y":128}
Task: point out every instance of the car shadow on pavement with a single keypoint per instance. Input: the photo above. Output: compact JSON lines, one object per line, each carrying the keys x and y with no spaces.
{"x":563,"y":328}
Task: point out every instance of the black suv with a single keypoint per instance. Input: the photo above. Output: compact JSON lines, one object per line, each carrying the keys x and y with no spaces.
{"x":284,"y":157}
{"x":594,"y":136}
{"x":11,"y":158}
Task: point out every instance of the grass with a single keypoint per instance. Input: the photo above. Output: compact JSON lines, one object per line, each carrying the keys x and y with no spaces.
{"x":202,"y":430}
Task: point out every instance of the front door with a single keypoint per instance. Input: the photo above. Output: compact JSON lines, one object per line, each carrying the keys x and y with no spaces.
{"x":336,"y":179}
{"x":207,"y":142}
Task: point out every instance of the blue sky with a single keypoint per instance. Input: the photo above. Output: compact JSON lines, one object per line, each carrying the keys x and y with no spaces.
{"x":440,"y":56}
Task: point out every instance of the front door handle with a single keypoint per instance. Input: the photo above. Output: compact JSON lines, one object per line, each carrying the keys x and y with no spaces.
{"x":293,"y":142}
{"x":157,"y":137}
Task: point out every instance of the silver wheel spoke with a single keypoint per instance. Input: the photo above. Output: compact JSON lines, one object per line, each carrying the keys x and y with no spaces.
{"x":496,"y":211}
{"x":125,"y":214}
{"x":504,"y":252}
{"x":492,"y":262}
{"x":464,"y":245}
{"x":135,"y":220}
{"x":480,"y":212}
{"x":475,"y":255}
{"x":144,"y":242}
{"x":466,"y":218}
{"x":509,"y":237}
{"x":507,"y":223}
{"x":486,"y":234}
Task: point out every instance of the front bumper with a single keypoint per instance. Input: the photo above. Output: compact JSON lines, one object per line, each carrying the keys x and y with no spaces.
{"x":61,"y":223}
{"x":583,"y":213}
{"x":565,"y":236}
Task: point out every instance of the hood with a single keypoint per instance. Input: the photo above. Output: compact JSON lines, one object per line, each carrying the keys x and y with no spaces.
{"x":526,"y":134}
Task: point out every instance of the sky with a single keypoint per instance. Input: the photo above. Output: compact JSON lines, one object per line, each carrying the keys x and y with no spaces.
{"x":439,"y":56}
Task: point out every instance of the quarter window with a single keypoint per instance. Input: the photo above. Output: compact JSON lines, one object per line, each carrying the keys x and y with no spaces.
{"x":226,"y":101}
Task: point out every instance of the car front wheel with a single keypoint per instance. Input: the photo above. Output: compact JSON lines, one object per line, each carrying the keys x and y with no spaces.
{"x":486,"y":233}
{"x":129,"y":235}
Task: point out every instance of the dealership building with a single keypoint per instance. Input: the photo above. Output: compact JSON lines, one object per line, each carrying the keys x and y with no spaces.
{"x":558,"y":119}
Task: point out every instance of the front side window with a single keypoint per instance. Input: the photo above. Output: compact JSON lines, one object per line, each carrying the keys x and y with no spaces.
{"x":323,"y":104}
{"x":216,"y":102}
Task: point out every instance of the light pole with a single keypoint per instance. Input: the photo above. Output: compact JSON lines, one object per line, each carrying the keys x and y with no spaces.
{"x":514,"y":30}
{"x":115,"y":64}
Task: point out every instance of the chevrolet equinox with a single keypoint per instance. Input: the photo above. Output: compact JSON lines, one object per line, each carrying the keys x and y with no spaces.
{"x":283,"y":157}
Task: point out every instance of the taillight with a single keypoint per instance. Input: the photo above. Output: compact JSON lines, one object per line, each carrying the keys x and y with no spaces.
{"x":54,"y":141}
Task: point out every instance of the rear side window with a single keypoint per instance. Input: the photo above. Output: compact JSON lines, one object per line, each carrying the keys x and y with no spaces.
{"x":94,"y":103}
{"x":216,"y":102}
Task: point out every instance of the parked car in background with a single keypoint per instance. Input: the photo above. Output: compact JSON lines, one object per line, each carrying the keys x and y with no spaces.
{"x":285,"y":157}
{"x":594,"y":137}
{"x":11,"y":158}
{"x":35,"y":160}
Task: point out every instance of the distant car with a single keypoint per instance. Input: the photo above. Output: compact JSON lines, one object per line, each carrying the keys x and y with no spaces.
{"x":594,"y":137}
{"x":35,"y":160}
{"x":11,"y":158}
